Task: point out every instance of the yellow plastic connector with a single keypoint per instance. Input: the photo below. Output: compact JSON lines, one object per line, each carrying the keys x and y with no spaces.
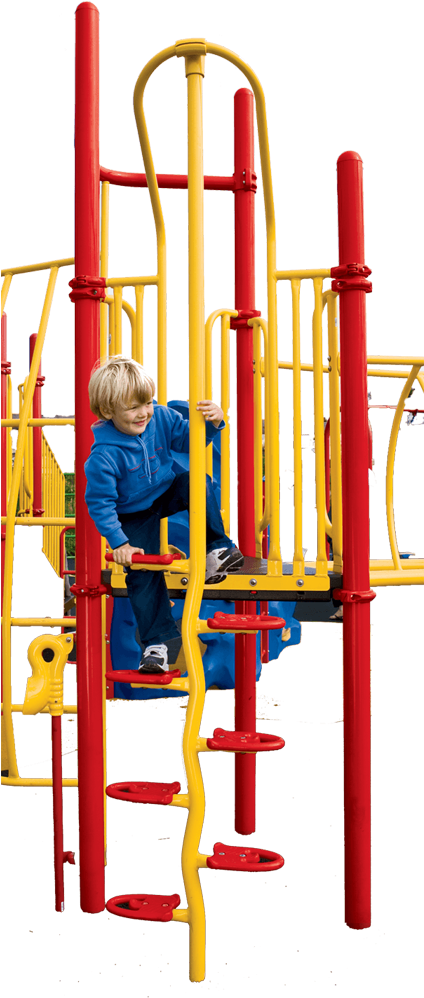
{"x":47,"y":656}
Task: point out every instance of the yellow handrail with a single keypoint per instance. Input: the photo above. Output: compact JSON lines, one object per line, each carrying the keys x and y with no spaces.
{"x":225,"y":314}
{"x":263,"y":516}
{"x":330,"y":299}
{"x":391,"y":464}
{"x":321,"y":561}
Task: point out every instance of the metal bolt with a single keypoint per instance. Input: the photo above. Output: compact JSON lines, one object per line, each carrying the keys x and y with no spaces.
{"x":242,"y":855}
{"x":68,"y":639}
{"x":300,"y":582}
{"x":253,"y":582}
{"x":221,"y":854}
{"x":184,"y":581}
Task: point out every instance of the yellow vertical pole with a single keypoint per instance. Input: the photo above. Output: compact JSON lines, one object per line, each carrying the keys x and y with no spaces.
{"x":104,"y":260}
{"x":111,"y":307}
{"x":321,"y":562}
{"x":118,"y":295}
{"x":225,"y":433}
{"x":335,"y":433}
{"x":298,"y":560}
{"x":208,"y":385}
{"x":137,"y":348}
{"x":258,"y":453}
{"x":194,"y":71}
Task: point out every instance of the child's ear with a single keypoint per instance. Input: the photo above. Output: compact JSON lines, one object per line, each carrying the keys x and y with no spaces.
{"x":103,"y":415}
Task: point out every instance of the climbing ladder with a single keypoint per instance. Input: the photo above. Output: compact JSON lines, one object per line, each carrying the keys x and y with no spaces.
{"x":161,"y":907}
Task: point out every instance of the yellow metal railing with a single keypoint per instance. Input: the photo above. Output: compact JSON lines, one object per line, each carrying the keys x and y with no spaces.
{"x":225,"y":314}
{"x":53,"y":486}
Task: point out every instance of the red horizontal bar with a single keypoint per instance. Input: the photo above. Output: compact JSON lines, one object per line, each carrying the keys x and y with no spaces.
{"x":394,"y":407}
{"x":174,"y":181}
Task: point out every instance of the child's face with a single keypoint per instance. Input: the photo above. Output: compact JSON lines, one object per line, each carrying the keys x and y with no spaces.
{"x":134,"y":419}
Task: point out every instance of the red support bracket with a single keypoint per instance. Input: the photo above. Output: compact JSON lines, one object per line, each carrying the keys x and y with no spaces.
{"x":87,"y":287}
{"x":6,"y":367}
{"x":77,"y":590}
{"x":243,"y":315}
{"x":351,"y":277}
{"x":358,"y":596}
{"x":245,"y":180}
{"x":69,"y":857}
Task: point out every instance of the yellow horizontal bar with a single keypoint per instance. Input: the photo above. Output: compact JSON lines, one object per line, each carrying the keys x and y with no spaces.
{"x":130,"y":282}
{"x":14,"y":423}
{"x":30,"y":268}
{"x":23,"y":781}
{"x":285,"y":365}
{"x":176,"y":684}
{"x":271,"y":583}
{"x":180,"y":800}
{"x":202,"y":746}
{"x":180,"y":915}
{"x":378,"y":373}
{"x":18,"y":707}
{"x":42,"y":621}
{"x":395,"y":360}
{"x":42,"y":521}
{"x":396,"y":577}
{"x":300,"y":275}
{"x":382,"y":564}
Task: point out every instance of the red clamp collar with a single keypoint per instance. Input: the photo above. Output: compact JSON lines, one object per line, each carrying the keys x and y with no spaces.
{"x":243,"y":315}
{"x":354,"y":596}
{"x":245,"y":180}
{"x":87,"y":287}
{"x":6,"y":367}
{"x":351,"y":277}
{"x":88,"y":590}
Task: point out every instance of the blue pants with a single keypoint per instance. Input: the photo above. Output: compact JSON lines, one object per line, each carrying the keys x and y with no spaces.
{"x":147,"y":590}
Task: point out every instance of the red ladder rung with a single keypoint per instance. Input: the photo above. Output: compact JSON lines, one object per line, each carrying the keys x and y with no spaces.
{"x":239,"y":622}
{"x":144,"y":793}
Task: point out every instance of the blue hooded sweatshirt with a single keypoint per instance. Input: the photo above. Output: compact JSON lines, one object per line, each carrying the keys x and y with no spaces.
{"x":126,"y":473}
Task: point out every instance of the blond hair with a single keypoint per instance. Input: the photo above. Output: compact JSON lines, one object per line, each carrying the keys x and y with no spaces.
{"x":117,"y":384}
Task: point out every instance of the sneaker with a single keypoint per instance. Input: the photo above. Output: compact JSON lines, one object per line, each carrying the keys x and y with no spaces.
{"x":154,"y":659}
{"x":338,"y":615}
{"x":220,"y":561}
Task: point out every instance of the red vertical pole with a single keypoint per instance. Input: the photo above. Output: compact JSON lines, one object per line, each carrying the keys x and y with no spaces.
{"x":37,"y":499}
{"x":58,"y":812}
{"x":245,"y":645}
{"x":88,"y":554}
{"x":356,"y":616}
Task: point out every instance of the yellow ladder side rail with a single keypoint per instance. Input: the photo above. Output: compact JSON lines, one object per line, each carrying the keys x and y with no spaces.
{"x":53,"y":486}
{"x":10,"y":523}
{"x":137,"y":332}
{"x":117,"y":294}
{"x":194,"y":68}
{"x":194,"y":71}
{"x":262,"y":515}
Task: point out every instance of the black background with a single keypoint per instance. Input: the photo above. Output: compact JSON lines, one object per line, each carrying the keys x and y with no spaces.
{"x":326,"y":91}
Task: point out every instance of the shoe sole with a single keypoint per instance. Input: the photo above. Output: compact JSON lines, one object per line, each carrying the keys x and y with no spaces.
{"x":231,"y":564}
{"x":149,"y":669}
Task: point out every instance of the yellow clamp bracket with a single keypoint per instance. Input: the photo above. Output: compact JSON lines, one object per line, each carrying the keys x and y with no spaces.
{"x":194,"y":51}
{"x":47,"y":656}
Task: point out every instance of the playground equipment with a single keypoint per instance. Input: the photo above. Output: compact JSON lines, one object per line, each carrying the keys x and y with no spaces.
{"x":347,"y":577}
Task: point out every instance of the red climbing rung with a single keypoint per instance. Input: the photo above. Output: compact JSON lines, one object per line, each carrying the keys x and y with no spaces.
{"x":238,"y":622}
{"x":239,"y":858}
{"x":144,"y":793}
{"x":244,"y":741}
{"x":150,"y":559}
{"x":148,"y":907}
{"x":149,"y":678}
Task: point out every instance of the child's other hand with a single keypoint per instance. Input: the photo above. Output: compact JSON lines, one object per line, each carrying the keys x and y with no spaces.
{"x":212,"y":412}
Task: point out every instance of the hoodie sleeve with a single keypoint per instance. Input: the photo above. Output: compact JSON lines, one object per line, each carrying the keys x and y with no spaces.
{"x":101,"y":496}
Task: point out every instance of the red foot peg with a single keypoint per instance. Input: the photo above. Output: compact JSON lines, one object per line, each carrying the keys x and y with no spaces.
{"x":146,"y":678}
{"x":239,"y":858}
{"x":239,"y":622}
{"x":144,"y":793}
{"x":244,"y":741}
{"x":148,"y":907}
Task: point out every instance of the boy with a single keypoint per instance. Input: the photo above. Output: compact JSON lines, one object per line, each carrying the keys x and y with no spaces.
{"x":131,"y":485}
